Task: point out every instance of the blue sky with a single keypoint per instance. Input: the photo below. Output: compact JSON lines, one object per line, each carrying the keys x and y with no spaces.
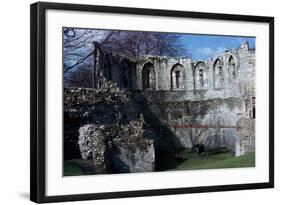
{"x":202,"y":47}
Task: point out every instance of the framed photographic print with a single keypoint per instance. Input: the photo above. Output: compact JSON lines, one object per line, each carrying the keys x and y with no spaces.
{"x":129,"y":102}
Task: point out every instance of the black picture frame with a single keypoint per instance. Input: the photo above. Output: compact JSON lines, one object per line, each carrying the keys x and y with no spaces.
{"x":38,"y":101}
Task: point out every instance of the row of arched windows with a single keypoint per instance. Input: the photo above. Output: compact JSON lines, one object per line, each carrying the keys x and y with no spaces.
{"x":178,"y":75}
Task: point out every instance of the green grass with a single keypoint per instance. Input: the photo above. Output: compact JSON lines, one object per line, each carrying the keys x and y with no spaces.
{"x":247,"y":160}
{"x":71,"y":169}
{"x":186,"y":160}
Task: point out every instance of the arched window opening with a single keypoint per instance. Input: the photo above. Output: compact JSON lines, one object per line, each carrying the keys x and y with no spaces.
{"x":177,"y":77}
{"x":232,"y":68}
{"x":218,"y":74}
{"x":148,"y":77}
{"x":201,"y":80}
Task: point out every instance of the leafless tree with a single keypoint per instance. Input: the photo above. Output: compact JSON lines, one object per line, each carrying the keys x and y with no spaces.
{"x":135,"y":44}
{"x":77,"y":45}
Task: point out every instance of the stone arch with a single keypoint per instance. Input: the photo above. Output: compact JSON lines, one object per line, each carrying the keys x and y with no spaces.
{"x":232,"y":68}
{"x":178,"y":77}
{"x":218,"y":73}
{"x":200,"y":77}
{"x":125,"y":74}
{"x":148,"y":77}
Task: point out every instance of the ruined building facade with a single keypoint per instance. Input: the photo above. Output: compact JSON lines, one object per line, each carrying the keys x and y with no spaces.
{"x":229,"y":74}
{"x":185,"y":102}
{"x":160,"y":73}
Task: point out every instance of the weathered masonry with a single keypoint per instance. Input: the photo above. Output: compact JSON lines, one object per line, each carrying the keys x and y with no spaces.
{"x":182,"y":102}
{"x":160,"y":73}
{"x":199,"y":101}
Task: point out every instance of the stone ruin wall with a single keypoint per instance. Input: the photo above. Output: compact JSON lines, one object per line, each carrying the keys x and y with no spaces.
{"x":219,"y":75}
{"x":187,"y":123}
{"x":181,"y":101}
{"x":101,"y":130}
{"x":197,"y":101}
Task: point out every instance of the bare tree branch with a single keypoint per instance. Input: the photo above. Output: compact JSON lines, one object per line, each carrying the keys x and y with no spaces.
{"x":78,"y":62}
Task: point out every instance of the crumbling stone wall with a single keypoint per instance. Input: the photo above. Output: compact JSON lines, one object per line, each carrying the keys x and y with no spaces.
{"x":245,"y":136}
{"x":106,"y":131}
{"x":89,"y":106}
{"x":110,"y":134}
{"x":92,"y":145}
{"x":117,"y":149}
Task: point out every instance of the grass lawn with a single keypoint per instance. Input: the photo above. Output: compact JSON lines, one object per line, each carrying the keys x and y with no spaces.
{"x":186,"y":160}
{"x":71,"y":169}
